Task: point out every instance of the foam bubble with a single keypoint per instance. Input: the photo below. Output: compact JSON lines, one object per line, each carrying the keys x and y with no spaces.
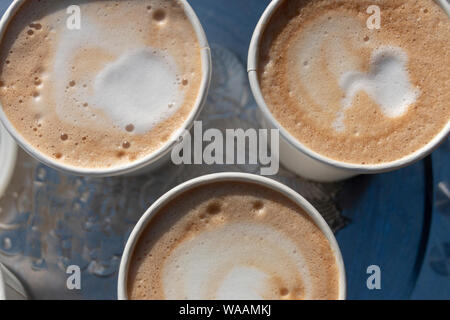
{"x":235,"y":261}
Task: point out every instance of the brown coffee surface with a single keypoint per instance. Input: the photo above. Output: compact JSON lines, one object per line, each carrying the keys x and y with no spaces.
{"x":49,"y":75}
{"x":232,"y":240}
{"x":312,"y":49}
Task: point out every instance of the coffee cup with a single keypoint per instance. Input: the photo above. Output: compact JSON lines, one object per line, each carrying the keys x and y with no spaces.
{"x":260,"y":268}
{"x":8,"y":156}
{"x":301,"y":158}
{"x":111,"y":87}
{"x":10,"y":286}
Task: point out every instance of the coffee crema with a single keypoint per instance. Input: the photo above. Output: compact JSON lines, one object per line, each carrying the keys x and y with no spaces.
{"x":355,"y":94}
{"x":232,"y":240}
{"x":106,"y":94}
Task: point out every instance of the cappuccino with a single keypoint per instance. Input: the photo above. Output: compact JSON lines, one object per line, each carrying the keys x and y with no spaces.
{"x":232,"y":240}
{"x":99,"y":84}
{"x":352,"y":92}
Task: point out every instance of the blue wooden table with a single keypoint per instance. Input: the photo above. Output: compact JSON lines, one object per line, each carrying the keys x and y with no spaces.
{"x":399,"y":221}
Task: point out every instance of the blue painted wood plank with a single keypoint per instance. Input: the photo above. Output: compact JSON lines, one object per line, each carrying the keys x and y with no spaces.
{"x":3,"y":6}
{"x":230,"y":23}
{"x":386,"y":213}
{"x":434,"y":279}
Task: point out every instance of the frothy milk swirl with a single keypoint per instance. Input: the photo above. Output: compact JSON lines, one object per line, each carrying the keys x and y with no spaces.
{"x":235,"y":261}
{"x":352,"y":93}
{"x":105,"y":95}
{"x":139,"y":86}
{"x":232,"y":240}
{"x":387,"y":82}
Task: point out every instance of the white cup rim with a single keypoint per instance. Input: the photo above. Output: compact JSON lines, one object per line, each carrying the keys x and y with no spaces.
{"x":8,"y":157}
{"x":219,"y":177}
{"x":252,"y":68}
{"x":144,"y":161}
{"x":9,"y":283}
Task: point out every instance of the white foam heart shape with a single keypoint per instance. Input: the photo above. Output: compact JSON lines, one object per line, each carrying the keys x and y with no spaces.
{"x":140,"y":88}
{"x":387,"y":83}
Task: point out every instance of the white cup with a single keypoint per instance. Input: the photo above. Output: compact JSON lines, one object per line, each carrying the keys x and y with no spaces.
{"x":8,"y":156}
{"x":216,"y":177}
{"x":297,"y":157}
{"x":147,"y":163}
{"x":10,"y":286}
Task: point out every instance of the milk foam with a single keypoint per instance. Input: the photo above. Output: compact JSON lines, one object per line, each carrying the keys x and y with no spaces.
{"x":355,"y":94}
{"x":319,"y":43}
{"x":387,"y":84}
{"x":232,"y":240}
{"x":235,"y":261}
{"x":107,"y":94}
{"x":140,"y":86}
